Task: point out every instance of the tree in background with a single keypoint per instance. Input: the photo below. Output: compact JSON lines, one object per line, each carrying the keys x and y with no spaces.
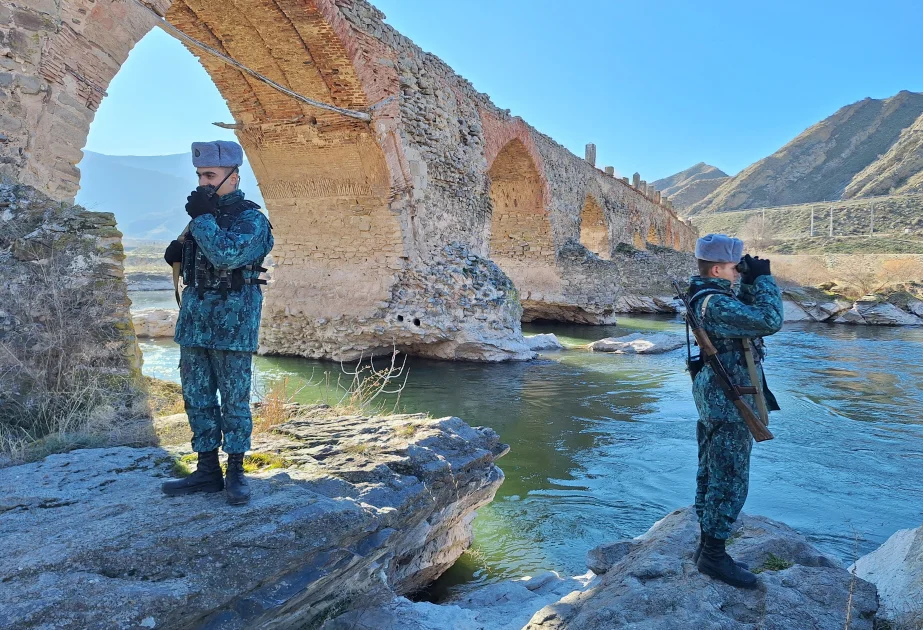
{"x":756,"y":233}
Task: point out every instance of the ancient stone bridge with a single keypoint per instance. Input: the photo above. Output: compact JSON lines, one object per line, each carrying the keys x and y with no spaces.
{"x":405,"y":230}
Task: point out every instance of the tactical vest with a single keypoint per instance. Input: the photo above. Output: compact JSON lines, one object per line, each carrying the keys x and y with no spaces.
{"x":200,"y":273}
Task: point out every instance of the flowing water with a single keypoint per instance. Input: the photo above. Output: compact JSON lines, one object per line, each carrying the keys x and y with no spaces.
{"x":602,"y":446}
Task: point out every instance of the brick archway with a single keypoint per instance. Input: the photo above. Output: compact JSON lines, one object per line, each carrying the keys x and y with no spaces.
{"x":520,"y":230}
{"x":594,"y":233}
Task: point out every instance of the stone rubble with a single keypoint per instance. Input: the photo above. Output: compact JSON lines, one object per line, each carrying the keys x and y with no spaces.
{"x":803,"y":305}
{"x":504,"y":605}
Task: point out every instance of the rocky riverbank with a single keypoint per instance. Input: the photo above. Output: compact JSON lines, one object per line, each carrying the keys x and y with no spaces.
{"x":346,"y":509}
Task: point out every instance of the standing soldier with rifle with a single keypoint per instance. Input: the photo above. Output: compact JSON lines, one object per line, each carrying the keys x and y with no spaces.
{"x":727,"y":380}
{"x":219,"y":254}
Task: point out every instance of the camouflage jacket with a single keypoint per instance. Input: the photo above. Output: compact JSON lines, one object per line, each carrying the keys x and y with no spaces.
{"x":755,"y":311}
{"x":240,"y":235}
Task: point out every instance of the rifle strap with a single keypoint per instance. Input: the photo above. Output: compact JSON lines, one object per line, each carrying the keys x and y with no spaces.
{"x":756,"y":381}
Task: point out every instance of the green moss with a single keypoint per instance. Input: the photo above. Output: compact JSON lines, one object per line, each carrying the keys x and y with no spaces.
{"x":406,"y":430}
{"x":774,"y":563}
{"x":264,"y":461}
{"x":180,"y":468}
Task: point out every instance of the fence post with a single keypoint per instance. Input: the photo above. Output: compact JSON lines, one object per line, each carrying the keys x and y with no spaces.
{"x":831,"y":221}
{"x":812,"y":221}
{"x":872,"y":222}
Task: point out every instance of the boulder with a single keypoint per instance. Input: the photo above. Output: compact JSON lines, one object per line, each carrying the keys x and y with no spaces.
{"x":149,"y":281}
{"x":154,"y":322}
{"x":794,"y":312}
{"x":545,"y":341}
{"x":639,"y":343}
{"x":896,"y":569}
{"x":871,"y":310}
{"x":346,"y":510}
{"x":505,"y":605}
{"x":650,"y":583}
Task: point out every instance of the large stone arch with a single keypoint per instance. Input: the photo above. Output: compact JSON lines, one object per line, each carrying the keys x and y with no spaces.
{"x":520,"y":230}
{"x":594,"y":232}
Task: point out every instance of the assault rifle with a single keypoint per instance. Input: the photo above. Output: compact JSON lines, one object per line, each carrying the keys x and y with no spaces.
{"x":709,"y":355}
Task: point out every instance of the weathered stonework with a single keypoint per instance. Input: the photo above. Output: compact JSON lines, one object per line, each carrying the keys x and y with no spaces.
{"x":69,"y":350}
{"x":363,"y":212}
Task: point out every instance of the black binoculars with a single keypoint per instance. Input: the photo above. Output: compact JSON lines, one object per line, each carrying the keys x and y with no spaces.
{"x":742,"y":267}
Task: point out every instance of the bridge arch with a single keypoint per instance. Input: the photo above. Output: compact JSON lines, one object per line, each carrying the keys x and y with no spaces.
{"x":520,"y":229}
{"x":328,"y":180}
{"x":594,"y":230}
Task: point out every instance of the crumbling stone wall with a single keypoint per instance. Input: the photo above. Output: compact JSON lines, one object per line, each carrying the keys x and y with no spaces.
{"x":363,"y":212}
{"x":69,"y":359}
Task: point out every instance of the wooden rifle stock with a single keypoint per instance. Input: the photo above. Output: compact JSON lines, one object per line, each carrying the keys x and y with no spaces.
{"x":710,"y":355}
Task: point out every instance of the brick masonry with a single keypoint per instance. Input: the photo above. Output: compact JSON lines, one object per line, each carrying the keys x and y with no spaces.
{"x":378,"y":225}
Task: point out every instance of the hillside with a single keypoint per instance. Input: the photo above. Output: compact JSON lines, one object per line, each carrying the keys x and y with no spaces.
{"x":899,"y":171}
{"x":897,"y":226}
{"x":692,"y":185}
{"x":146,"y":193}
{"x":825,"y":160}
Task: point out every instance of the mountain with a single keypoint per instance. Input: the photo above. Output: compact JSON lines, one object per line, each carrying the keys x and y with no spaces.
{"x":824,"y":160}
{"x":899,"y":171}
{"x":692,"y":185}
{"x":146,"y":192}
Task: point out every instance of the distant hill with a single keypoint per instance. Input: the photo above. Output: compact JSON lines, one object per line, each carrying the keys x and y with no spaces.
{"x":861,"y":150}
{"x":899,"y":171}
{"x":146,"y":193}
{"x":692,"y":185}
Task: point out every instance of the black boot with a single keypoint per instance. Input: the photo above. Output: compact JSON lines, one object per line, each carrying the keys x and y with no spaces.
{"x":698,"y":552}
{"x":238,"y":489}
{"x":715,"y":562}
{"x":206,"y":478}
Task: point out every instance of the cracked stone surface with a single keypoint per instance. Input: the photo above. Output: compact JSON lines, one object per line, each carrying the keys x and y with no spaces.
{"x":362,"y":509}
{"x":650,"y":583}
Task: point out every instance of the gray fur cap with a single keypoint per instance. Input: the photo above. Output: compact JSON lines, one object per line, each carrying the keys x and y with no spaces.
{"x":719,"y":248}
{"x":217,"y":153}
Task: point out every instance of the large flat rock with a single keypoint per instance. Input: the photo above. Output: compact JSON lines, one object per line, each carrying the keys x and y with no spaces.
{"x":650,"y":583}
{"x":361,"y":508}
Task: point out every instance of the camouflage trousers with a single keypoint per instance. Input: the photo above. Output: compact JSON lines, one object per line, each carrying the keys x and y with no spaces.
{"x":204,"y":373}
{"x":723,"y":477}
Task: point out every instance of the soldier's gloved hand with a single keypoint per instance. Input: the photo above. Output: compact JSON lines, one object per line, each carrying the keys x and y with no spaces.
{"x":756,"y":267}
{"x":199,"y":203}
{"x":174,"y":253}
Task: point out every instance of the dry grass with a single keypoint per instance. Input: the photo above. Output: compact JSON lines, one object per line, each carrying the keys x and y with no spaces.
{"x":853,"y":275}
{"x":274,"y":407}
{"x":165,"y":397}
{"x":63,"y":381}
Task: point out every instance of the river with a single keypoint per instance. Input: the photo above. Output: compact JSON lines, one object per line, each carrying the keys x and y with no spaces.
{"x":602,"y":446}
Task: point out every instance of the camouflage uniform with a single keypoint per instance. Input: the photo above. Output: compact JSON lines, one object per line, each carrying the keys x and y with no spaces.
{"x":217,"y":334}
{"x":723,"y":438}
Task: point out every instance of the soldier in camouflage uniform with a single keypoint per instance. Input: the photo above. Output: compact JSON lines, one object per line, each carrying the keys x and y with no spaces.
{"x":221,"y":252}
{"x":730,"y":319}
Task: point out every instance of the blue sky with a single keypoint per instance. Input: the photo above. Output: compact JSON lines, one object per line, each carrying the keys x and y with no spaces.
{"x":656,"y":85}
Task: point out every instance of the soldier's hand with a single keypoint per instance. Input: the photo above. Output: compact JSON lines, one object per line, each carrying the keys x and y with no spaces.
{"x":174,"y":253}
{"x":199,"y":203}
{"x":756,"y":267}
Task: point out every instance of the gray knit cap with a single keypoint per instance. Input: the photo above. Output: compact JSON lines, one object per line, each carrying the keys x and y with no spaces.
{"x":719,"y":248}
{"x":217,"y":153}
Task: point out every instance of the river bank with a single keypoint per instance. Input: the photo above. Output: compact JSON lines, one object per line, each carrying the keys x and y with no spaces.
{"x":602,"y":444}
